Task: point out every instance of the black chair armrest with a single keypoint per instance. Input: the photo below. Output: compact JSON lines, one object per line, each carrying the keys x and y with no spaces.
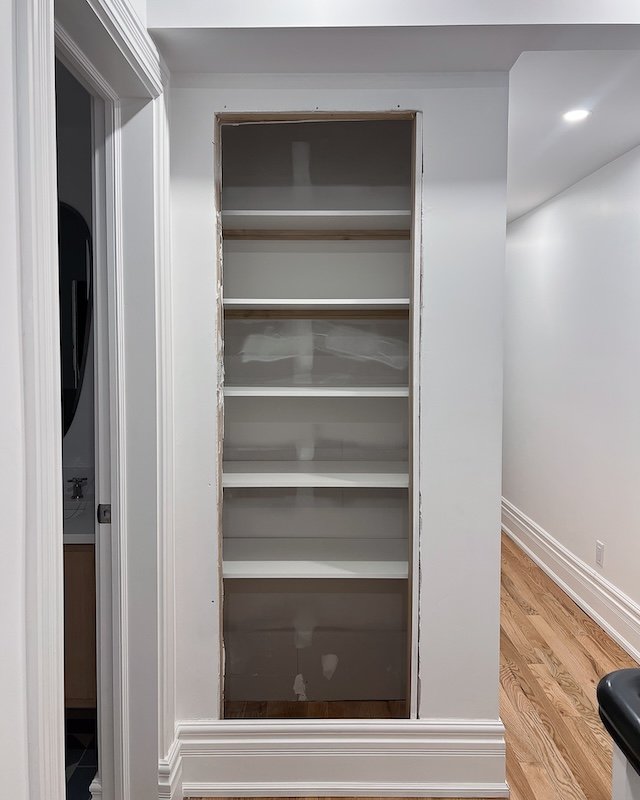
{"x":619,"y":705}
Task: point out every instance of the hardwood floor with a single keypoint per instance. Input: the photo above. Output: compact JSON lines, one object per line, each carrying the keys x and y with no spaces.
{"x":552,"y":656}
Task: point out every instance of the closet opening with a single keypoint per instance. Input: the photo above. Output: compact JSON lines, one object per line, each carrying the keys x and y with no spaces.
{"x":318,"y":415}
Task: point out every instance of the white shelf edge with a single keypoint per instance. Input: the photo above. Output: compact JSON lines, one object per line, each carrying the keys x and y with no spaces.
{"x":315,"y":558}
{"x":359,"y":304}
{"x":310,"y":219}
{"x":252,"y":570}
{"x":300,"y":474}
{"x":316,"y":391}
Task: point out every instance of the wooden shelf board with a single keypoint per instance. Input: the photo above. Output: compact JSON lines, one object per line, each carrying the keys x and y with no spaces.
{"x":330,"y":474}
{"x":315,"y":558}
{"x":316,"y":391}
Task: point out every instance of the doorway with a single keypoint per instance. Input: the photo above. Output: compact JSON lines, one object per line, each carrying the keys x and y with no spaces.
{"x":80,"y":467}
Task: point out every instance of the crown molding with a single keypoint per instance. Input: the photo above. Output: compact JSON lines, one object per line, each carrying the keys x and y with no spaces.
{"x":120,"y":46}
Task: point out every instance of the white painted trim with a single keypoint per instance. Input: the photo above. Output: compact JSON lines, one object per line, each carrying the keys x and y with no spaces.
{"x":120,"y":597}
{"x":40,"y":325}
{"x":104,"y":534}
{"x":378,"y":732}
{"x":170,"y":774}
{"x":117,"y":19}
{"x":38,"y":231}
{"x":342,"y":789}
{"x":319,"y":303}
{"x":343,"y":758}
{"x":164,"y":370}
{"x":613,"y":610}
{"x":316,"y":391}
{"x":72,"y":55}
{"x":111,"y":563}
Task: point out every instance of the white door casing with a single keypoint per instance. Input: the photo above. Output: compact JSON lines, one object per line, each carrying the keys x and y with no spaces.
{"x":127,"y":65}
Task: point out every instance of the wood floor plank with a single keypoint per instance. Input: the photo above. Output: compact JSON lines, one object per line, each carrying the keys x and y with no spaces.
{"x":540,"y":783}
{"x":577,"y":662}
{"x":541,"y":730}
{"x":598,"y":747}
{"x":519,"y":749}
{"x":554,"y":691}
{"x":521,"y":631}
{"x":579,"y":763}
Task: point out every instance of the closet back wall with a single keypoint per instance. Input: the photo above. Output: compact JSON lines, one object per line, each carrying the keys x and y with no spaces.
{"x":463,"y":124}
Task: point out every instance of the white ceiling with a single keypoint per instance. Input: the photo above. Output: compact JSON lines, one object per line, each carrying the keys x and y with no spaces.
{"x":547,"y":154}
{"x":455,"y":48}
{"x":382,"y":13}
{"x":553,"y":68}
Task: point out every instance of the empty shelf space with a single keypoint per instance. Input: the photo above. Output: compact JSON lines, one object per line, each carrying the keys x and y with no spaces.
{"x":316,"y":391}
{"x":346,"y":305}
{"x":360,"y":222}
{"x":374,"y":474}
{"x":317,"y":271}
{"x":315,"y":558}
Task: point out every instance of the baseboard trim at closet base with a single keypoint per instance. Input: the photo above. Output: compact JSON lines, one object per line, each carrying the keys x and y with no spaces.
{"x":293,"y":789}
{"x":615,"y":612}
{"x":170,"y":774}
{"x":347,"y":758}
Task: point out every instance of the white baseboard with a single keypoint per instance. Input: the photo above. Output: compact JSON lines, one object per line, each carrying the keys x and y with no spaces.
{"x":614,"y":611}
{"x":341,"y":789}
{"x":349,"y":758}
{"x":170,"y":774}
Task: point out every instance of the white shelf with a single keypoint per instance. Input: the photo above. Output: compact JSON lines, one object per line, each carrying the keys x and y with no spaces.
{"x":317,"y":304}
{"x":294,"y":219}
{"x":316,"y":391}
{"x":315,"y":558}
{"x":329,"y":474}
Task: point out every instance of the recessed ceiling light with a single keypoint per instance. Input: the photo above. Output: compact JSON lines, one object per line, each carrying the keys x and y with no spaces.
{"x":576,"y":115}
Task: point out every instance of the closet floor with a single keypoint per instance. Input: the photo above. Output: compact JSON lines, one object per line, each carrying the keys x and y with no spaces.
{"x":337,"y":709}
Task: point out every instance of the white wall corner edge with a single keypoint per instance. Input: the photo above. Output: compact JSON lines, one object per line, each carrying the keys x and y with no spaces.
{"x":170,"y":774}
{"x":346,"y":758}
{"x":610,"y":608}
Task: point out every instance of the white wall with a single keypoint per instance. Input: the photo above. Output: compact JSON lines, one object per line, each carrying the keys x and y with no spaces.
{"x":13,"y":727}
{"x":572,"y":383}
{"x":465,"y":171}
